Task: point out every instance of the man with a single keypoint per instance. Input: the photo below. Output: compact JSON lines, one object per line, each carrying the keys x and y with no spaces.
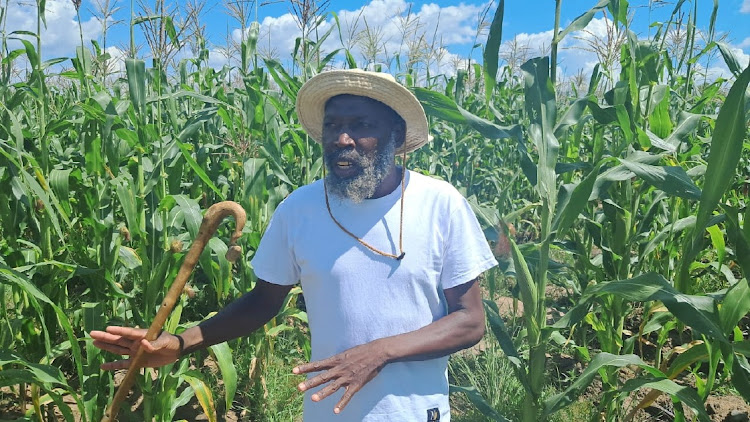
{"x":387,"y":259}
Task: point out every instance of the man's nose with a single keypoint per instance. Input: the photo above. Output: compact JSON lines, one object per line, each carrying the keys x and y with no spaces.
{"x":344,"y":140}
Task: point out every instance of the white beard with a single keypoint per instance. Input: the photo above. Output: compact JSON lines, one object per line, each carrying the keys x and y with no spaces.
{"x":374,"y":167}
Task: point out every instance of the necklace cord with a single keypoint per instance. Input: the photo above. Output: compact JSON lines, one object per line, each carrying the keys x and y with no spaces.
{"x":401,"y":222}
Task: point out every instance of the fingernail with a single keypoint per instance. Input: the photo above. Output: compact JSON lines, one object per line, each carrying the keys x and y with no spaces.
{"x":336,"y":410}
{"x":301,"y":387}
{"x":295,"y":370}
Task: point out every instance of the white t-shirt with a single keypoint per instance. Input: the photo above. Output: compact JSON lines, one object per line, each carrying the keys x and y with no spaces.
{"x":354,"y":296}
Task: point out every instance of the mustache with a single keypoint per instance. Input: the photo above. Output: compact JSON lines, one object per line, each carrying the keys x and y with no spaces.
{"x":351,"y":155}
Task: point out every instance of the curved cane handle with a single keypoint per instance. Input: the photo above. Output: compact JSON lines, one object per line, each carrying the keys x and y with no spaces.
{"x":215,"y":214}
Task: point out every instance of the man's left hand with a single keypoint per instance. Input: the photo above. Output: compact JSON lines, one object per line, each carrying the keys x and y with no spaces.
{"x":351,"y":370}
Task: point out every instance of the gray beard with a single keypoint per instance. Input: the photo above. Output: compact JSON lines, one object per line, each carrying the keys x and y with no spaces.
{"x":362,"y":186}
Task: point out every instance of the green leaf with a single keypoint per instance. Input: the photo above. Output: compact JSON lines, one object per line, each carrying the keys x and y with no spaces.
{"x":741,"y":376}
{"x":202,"y":393}
{"x":717,"y":240}
{"x":196,"y":122}
{"x":687,"y":124}
{"x":699,"y":312}
{"x":727,"y":141}
{"x":31,"y":53}
{"x":126,"y":194}
{"x":506,"y":342}
{"x":697,"y":352}
{"x":223,"y":355}
{"x":541,"y":108}
{"x":40,"y":373}
{"x":685,"y":394}
{"x":191,"y":213}
{"x":492,"y":50}
{"x":572,"y":116}
{"x":670,"y":229}
{"x":735,"y":306}
{"x":60,"y":185}
{"x":46,"y":199}
{"x":443,"y":107}
{"x":673,"y":180}
{"x":559,"y":401}
{"x":574,"y":203}
{"x":197,"y":169}
{"x":171,"y":31}
{"x":15,"y":278}
{"x":478,"y":401}
{"x":581,"y":21}
{"x":529,"y":294}
{"x":733,"y":63}
{"x":136,"y":73}
{"x":738,"y":238}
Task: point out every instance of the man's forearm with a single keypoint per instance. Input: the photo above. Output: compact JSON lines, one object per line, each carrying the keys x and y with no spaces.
{"x":454,"y":332}
{"x":240,"y":318}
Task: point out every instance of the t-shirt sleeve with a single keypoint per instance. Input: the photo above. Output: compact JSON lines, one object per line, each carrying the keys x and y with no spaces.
{"x":466,"y":252}
{"x":274,"y":261}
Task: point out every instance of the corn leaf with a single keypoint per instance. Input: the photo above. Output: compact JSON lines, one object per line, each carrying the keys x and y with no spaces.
{"x":136,"y":73}
{"x":223,"y":355}
{"x":581,"y":21}
{"x":573,"y":202}
{"x":727,"y":141}
{"x":198,"y":170}
{"x":673,"y":180}
{"x":492,"y":50}
{"x":542,"y":111}
{"x":685,"y":394}
{"x":699,"y":312}
{"x":443,"y":107}
{"x":602,"y":360}
{"x":479,"y":401}
{"x":741,"y":376}
{"x":735,"y":306}
{"x":202,"y":393}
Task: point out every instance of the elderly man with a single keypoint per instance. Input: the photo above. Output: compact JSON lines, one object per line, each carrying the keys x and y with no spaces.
{"x":387,"y":259}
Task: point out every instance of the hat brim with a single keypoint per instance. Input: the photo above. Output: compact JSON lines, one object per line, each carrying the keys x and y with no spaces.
{"x":312,"y":98}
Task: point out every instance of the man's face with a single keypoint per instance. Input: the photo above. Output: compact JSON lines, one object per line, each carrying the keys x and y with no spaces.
{"x":358,"y":145}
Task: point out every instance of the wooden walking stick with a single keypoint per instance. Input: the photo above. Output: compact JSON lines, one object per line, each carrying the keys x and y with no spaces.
{"x":211,"y":220}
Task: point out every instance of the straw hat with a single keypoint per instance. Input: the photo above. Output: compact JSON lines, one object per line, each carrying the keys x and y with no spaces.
{"x":314,"y":94}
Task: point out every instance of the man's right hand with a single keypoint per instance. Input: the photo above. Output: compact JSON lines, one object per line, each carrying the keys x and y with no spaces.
{"x":125,"y":341}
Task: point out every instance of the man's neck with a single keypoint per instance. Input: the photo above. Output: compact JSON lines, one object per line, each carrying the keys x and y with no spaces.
{"x":389,"y":183}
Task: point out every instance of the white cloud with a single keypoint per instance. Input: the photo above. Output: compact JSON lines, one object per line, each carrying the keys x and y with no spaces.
{"x":745,"y":8}
{"x":742,"y":58}
{"x":528,"y":45}
{"x":116,"y":62}
{"x":745,"y":43}
{"x":391,"y":25}
{"x":711,"y":73}
{"x":61,"y":36}
{"x":217,"y":58}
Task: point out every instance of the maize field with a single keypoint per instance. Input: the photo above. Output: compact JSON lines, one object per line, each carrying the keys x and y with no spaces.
{"x":617,"y":205}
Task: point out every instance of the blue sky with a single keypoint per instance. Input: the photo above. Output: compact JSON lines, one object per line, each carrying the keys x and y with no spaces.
{"x":528,"y":22}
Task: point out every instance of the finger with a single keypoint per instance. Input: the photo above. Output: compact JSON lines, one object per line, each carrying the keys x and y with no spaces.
{"x":316,"y":381}
{"x":315,"y":366}
{"x":106,"y":337}
{"x":118,"y":364}
{"x":326,"y":391}
{"x":348,"y":394}
{"x":112,"y":348}
{"x":127,"y":332}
